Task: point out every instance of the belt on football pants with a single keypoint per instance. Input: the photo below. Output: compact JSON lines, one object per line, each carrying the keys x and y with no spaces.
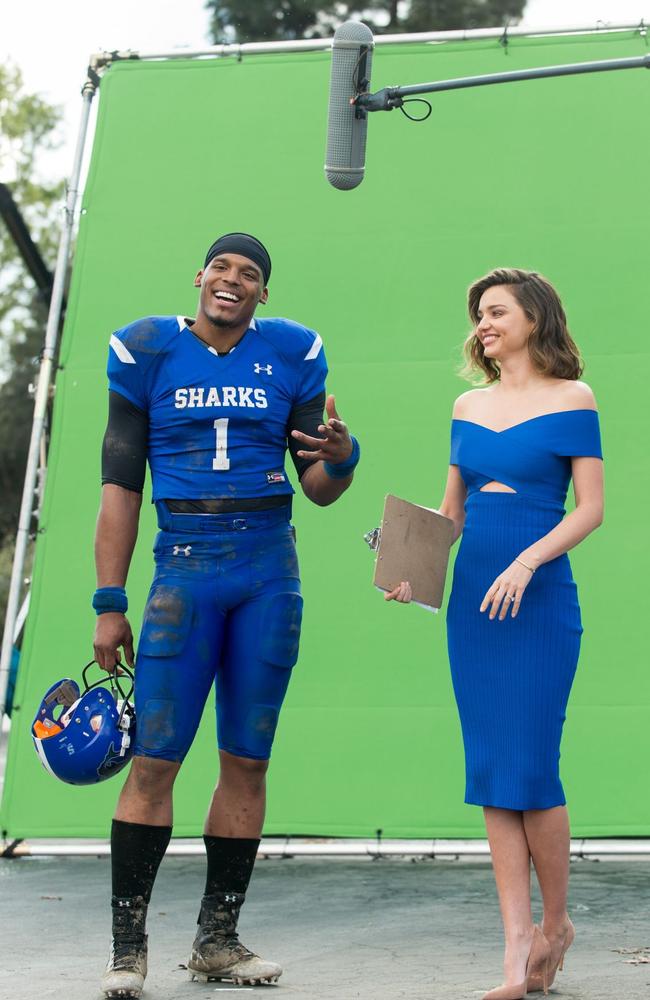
{"x":227,"y":505}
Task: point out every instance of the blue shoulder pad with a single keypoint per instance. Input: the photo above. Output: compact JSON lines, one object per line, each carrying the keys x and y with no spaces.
{"x":303,"y":350}
{"x":132,"y":351}
{"x":150,"y":335}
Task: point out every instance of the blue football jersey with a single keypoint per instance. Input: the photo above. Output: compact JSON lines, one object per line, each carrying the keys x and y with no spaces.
{"x":217,"y":424}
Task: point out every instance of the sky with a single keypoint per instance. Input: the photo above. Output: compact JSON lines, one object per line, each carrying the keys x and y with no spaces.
{"x":51,"y":42}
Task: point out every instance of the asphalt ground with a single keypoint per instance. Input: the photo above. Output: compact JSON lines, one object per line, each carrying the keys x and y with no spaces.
{"x":367,"y":929}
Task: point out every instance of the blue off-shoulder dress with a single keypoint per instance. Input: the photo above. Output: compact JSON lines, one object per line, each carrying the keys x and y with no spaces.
{"x":512,"y":678}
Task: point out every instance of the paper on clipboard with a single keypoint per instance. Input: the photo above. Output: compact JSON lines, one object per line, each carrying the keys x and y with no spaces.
{"x":414,"y":545}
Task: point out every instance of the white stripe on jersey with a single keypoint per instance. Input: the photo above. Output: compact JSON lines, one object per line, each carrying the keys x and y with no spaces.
{"x":314,"y":349}
{"x":121,"y":351}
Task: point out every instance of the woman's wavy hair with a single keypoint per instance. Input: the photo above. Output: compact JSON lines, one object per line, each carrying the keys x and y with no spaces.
{"x":551,"y":347}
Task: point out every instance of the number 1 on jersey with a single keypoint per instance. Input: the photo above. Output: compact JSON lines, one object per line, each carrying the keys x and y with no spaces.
{"x":221,"y":462}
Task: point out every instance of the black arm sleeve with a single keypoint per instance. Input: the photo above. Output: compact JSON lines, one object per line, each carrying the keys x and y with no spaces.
{"x":124,"y":450}
{"x":305,"y":417}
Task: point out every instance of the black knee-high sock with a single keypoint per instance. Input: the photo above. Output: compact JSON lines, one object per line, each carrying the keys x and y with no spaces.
{"x":230,"y":863}
{"x":136,"y":852}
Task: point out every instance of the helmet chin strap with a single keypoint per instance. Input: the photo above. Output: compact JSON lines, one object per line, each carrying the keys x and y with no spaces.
{"x":67,"y":715}
{"x":124,"y":724}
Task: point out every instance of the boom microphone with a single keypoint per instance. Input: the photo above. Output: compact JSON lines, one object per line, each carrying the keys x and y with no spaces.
{"x":347,"y":124}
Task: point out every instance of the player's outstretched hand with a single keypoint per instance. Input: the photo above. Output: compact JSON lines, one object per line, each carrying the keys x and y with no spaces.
{"x":335,"y":445}
{"x":402,"y":593}
{"x":111,"y":632}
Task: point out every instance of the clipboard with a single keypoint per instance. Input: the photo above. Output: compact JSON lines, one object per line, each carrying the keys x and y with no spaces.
{"x":414,"y":544}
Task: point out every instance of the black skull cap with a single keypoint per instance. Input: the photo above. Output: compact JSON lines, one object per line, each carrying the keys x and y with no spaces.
{"x":245,"y":245}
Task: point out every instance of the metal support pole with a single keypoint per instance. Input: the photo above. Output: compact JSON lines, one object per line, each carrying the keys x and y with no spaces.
{"x":29,"y":504}
{"x":393,"y":97}
{"x":238,"y":50}
{"x":300,"y":847}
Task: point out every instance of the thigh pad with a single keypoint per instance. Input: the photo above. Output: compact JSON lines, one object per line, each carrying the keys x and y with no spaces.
{"x":252,"y":681}
{"x":279,"y":635}
{"x":175,"y":668}
{"x":167,"y":620}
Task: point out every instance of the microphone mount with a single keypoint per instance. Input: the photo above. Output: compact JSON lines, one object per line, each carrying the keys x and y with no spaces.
{"x":390,"y":98}
{"x":361,"y":82}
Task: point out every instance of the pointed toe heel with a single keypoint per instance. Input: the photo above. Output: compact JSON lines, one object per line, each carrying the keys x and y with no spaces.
{"x":536,"y":978}
{"x":539,"y":958}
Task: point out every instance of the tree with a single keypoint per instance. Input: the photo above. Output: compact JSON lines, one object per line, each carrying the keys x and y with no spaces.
{"x":28,"y":127}
{"x":275,"y":20}
{"x":267,"y":20}
{"x":16,"y":409}
{"x":447,"y":15}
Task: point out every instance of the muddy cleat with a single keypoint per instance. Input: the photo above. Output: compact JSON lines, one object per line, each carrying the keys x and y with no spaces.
{"x":127,"y":963}
{"x":217,"y":952}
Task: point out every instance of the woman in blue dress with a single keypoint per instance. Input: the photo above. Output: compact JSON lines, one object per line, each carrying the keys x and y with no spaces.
{"x":513,"y":619}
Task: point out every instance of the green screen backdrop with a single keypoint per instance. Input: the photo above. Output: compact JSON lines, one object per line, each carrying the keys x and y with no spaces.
{"x":548,"y":175}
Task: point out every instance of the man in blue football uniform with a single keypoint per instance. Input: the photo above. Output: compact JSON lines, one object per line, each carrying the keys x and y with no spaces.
{"x":212,"y":403}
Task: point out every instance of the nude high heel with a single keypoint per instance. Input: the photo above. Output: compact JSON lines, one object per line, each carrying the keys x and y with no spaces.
{"x":535,"y":983}
{"x":538,"y":959}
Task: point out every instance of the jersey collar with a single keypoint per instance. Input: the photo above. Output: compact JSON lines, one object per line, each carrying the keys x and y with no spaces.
{"x":182,"y":323}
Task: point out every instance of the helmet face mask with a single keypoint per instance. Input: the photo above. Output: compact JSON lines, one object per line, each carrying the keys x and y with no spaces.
{"x":83,"y":738}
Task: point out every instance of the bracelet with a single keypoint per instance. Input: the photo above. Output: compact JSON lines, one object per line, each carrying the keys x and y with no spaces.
{"x":343,"y":469}
{"x":529,"y":568}
{"x":107,"y":599}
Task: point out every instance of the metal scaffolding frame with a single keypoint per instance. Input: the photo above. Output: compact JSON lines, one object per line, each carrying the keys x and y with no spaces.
{"x":323,"y":44}
{"x":305,"y":847}
{"x":37,"y":455}
{"x":36,"y":467}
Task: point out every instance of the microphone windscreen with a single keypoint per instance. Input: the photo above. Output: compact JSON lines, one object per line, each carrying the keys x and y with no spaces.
{"x":346,"y":134}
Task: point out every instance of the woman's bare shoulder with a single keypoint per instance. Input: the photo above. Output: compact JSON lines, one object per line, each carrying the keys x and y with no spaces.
{"x":576,"y":395}
{"x":466,"y":404}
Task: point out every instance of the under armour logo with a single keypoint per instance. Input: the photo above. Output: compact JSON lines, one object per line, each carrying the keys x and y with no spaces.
{"x":179,"y":548}
{"x":263,"y":368}
{"x":229,"y":898}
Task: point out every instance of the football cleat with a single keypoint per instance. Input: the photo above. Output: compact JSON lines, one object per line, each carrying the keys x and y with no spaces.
{"x":217,"y":952}
{"x":127,"y":963}
{"x":126,"y":970}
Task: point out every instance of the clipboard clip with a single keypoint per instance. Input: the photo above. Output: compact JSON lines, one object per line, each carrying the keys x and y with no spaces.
{"x":373,"y":538}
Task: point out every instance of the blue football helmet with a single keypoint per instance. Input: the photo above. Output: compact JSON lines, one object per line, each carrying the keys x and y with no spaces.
{"x":85,"y":738}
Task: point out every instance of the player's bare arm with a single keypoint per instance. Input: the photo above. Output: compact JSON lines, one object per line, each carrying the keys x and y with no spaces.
{"x":115,"y":537}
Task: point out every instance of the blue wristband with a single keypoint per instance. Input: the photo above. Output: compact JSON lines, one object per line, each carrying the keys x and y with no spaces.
{"x":106,"y":599}
{"x":344,"y":469}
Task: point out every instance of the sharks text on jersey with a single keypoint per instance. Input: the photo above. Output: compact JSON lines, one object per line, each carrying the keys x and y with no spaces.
{"x":227,"y":395}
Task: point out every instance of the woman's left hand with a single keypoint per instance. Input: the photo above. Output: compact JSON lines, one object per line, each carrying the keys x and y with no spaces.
{"x":402,"y":593}
{"x":507,"y":591}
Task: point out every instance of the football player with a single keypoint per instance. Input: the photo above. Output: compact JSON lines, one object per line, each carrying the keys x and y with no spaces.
{"x":212,"y":403}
